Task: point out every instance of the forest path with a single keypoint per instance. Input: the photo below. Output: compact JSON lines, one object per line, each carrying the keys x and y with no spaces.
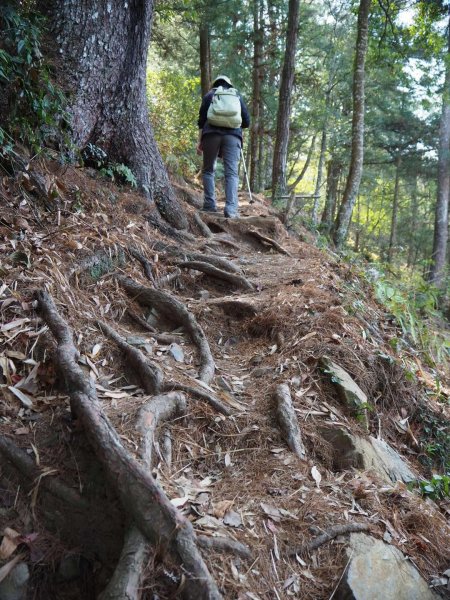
{"x":266,"y":308}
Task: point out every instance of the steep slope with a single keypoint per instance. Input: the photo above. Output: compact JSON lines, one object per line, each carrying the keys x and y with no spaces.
{"x":239,"y":308}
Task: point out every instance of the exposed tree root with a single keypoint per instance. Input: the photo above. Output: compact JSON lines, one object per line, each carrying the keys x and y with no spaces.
{"x":140,"y":494}
{"x":329,"y":535}
{"x":219,"y":239}
{"x":161,"y":338}
{"x":149,"y":374}
{"x":160,"y":408}
{"x":199,"y":393}
{"x":217,"y":261}
{"x":144,"y":262}
{"x":206,"y":231}
{"x":235,"y":308}
{"x":127,"y":577}
{"x":209,"y":269}
{"x":287,"y":420}
{"x":269,"y":241}
{"x":28,"y":469}
{"x":223,"y":544}
{"x":176,"y":311}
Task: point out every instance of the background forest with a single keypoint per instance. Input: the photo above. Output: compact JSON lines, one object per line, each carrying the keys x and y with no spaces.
{"x":393,"y":218}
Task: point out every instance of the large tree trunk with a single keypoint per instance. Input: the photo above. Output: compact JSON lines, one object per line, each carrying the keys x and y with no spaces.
{"x":100,"y":51}
{"x":256,"y":99}
{"x":394,"y":219}
{"x":357,"y":155}
{"x":284,"y":104}
{"x":437,"y":267}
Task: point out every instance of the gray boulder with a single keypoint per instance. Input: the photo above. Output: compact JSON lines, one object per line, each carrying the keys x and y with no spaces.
{"x":380,"y":571}
{"x":367,"y":454}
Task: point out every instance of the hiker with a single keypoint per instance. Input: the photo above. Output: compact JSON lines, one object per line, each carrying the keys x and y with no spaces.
{"x":222,"y":117}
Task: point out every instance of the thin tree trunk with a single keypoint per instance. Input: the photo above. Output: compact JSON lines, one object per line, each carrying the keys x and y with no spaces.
{"x":284,"y":104}
{"x":438,"y":262}
{"x":302,"y":173}
{"x":323,"y":151}
{"x":357,"y":154}
{"x":333,"y":174}
{"x":394,"y":220}
{"x":205,"y":56}
{"x":100,"y":50}
{"x":256,"y":99}
{"x":358,"y":224}
{"x":412,"y":243}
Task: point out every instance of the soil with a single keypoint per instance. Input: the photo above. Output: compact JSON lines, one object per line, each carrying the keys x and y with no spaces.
{"x":229,"y":475}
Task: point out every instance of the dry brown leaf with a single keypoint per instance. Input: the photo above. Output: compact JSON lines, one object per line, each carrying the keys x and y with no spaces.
{"x":11,"y":539}
{"x":220,"y":508}
{"x":6,"y":569}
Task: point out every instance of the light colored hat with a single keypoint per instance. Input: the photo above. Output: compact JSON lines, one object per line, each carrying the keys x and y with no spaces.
{"x":222,"y":78}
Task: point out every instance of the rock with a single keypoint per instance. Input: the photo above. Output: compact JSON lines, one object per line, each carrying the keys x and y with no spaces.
{"x":377,"y":570}
{"x":262,"y":371}
{"x":14,"y":586}
{"x":176,"y":352}
{"x":367,"y":454}
{"x":349,"y":391}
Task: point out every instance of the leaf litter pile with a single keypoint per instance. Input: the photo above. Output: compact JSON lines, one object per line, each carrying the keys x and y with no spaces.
{"x":212,"y":385}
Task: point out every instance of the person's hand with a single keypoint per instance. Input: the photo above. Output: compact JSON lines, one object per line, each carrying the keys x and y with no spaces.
{"x":199,"y":149}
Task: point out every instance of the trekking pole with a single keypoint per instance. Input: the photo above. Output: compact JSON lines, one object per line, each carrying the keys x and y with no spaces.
{"x":246,"y":177}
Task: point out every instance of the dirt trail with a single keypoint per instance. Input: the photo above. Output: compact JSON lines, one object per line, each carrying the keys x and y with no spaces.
{"x":223,"y":463}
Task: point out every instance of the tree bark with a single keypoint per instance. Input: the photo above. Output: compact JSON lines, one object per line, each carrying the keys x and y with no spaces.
{"x":284,"y":103}
{"x":292,"y":186}
{"x":357,"y":154}
{"x":412,"y":248}
{"x":205,"y":56}
{"x":440,"y":237}
{"x":323,"y":151}
{"x":394,"y":220}
{"x":256,"y":99}
{"x":100,"y":52}
{"x":334,"y":169}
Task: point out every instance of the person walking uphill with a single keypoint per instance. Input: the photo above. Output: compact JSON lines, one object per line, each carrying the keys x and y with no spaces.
{"x":222,"y":117}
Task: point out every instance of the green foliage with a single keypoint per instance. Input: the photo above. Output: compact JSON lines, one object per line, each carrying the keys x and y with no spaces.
{"x":435,"y":440}
{"x":414,"y":307}
{"x":35,"y":105}
{"x":437,"y":488}
{"x":174,"y":100}
{"x":119,"y":172}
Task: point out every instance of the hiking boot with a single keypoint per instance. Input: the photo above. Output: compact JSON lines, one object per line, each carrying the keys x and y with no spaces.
{"x":209,"y":210}
{"x":228,"y":216}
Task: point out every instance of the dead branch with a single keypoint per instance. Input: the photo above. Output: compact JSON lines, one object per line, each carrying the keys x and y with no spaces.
{"x":329,"y":535}
{"x":127,"y":577}
{"x":269,"y":241}
{"x":149,"y":373}
{"x":199,"y":393}
{"x":223,"y":544}
{"x":144,"y":262}
{"x":206,"y":231}
{"x":287,"y":420}
{"x":140,"y":494}
{"x":176,"y":311}
{"x":28,"y":469}
{"x":213,"y":271}
{"x":161,"y":338}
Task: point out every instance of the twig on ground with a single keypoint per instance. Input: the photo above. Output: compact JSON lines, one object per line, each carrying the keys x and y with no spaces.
{"x":329,"y":535}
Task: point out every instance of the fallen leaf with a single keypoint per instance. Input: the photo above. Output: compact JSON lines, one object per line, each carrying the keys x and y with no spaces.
{"x":26,"y":400}
{"x":95,"y":350}
{"x":232,"y":519}
{"x":22,"y":431}
{"x":227,"y":460}
{"x":220,"y":508}
{"x":6,"y":569}
{"x":11,"y":539}
{"x":316,"y":476}
{"x":179,"y":502}
{"x":271,"y":511}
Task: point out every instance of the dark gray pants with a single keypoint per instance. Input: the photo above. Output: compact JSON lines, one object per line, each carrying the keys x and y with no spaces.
{"x":229,"y":147}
